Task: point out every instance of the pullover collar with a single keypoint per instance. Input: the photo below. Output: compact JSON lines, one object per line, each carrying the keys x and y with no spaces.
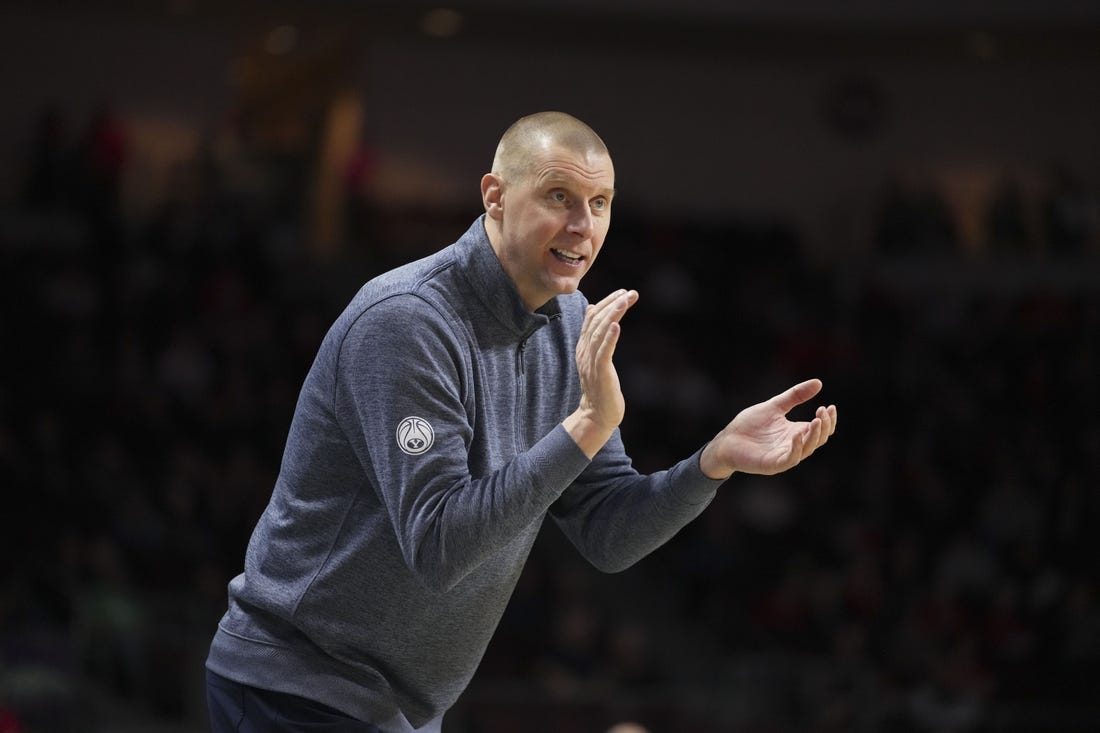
{"x":494,"y":288}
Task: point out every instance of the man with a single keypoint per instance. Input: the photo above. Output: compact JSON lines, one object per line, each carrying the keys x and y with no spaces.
{"x":456,"y":403}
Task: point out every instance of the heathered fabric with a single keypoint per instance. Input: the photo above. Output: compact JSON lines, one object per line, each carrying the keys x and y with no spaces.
{"x":377,"y":575}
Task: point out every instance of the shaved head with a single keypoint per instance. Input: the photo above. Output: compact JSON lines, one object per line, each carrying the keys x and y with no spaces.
{"x":548,"y":203}
{"x":543,"y":130}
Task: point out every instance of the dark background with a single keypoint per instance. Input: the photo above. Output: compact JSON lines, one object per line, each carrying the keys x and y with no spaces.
{"x":901,"y":201}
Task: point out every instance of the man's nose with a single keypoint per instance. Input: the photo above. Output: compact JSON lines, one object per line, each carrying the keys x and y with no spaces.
{"x":580,"y":222}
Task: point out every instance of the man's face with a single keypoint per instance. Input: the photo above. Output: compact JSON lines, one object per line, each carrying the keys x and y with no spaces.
{"x":554,"y":220}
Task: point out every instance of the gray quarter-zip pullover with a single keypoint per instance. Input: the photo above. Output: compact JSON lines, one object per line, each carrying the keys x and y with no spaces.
{"x":425,"y":451}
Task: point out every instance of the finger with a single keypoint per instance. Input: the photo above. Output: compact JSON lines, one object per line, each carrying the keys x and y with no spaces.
{"x":801,"y":446}
{"x":589,"y":327}
{"x":605,"y":348}
{"x":599,"y":311}
{"x":594,"y":313}
{"x":612,"y":313}
{"x":828,"y":418}
{"x":611,"y":330}
{"x":609,"y":299}
{"x":826,"y":425}
{"x":796,"y":395}
{"x":617,"y":308}
{"x":813,"y":438}
{"x":827,"y":415}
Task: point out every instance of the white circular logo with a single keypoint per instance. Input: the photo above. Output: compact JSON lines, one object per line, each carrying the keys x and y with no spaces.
{"x":414,"y":435}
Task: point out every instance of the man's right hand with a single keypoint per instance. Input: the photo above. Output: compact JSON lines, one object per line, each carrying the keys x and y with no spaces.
{"x":602,"y":405}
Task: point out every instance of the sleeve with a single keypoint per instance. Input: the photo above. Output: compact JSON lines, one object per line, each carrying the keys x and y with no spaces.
{"x":402,"y":397}
{"x":615,"y":516}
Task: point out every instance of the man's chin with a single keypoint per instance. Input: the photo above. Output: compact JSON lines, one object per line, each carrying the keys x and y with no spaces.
{"x":567,"y":288}
{"x":568,"y":283}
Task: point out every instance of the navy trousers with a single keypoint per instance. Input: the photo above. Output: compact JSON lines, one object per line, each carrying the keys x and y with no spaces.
{"x":237,"y":708}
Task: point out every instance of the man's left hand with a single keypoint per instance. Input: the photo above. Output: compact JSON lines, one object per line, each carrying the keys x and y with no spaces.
{"x":762,"y":440}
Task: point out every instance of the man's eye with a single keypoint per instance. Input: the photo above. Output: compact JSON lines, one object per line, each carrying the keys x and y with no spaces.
{"x":559,"y":196}
{"x":599,"y":204}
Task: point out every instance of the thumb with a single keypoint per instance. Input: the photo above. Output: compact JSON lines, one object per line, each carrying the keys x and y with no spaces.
{"x":796,"y":395}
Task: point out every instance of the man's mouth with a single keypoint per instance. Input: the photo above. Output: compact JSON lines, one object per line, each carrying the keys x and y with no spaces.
{"x":567,"y":257}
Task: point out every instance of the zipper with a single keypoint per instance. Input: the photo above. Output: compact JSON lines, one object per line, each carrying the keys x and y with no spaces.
{"x":523,"y":344}
{"x":521,"y":391}
{"x":518,"y":435}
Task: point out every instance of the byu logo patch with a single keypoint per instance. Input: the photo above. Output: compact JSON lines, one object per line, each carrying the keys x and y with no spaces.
{"x":414,"y":435}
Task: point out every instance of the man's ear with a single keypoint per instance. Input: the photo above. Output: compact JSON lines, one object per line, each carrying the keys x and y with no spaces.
{"x":492,"y":195}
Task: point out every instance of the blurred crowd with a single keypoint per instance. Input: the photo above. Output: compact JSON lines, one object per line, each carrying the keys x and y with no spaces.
{"x":935,"y":568}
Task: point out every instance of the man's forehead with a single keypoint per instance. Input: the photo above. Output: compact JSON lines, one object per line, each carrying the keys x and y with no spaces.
{"x":565,"y":166}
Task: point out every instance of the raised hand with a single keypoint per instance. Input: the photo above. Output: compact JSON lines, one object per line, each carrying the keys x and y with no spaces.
{"x":762,"y":440}
{"x":602,"y":405}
